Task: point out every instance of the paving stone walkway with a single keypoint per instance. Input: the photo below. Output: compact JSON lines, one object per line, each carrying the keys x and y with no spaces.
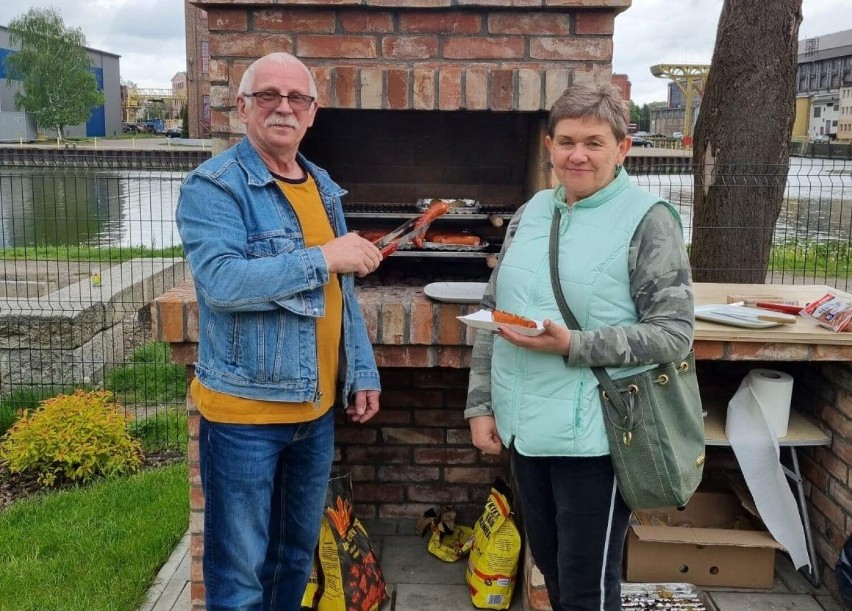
{"x":418,"y":581}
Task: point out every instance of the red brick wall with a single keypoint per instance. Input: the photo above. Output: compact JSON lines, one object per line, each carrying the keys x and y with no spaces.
{"x":827,"y":392}
{"x":416,"y":453}
{"x":197,"y":81}
{"x":416,"y":55}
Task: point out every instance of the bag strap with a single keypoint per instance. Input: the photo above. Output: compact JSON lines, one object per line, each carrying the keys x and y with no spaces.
{"x":600,"y":373}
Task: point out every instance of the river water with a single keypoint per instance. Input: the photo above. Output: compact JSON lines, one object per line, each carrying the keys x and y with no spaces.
{"x":69,"y":206}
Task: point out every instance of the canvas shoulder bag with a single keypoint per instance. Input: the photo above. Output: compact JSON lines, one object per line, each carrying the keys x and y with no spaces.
{"x":654,"y":421}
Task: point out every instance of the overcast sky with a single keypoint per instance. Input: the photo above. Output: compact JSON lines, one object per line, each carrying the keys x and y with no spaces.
{"x":149,"y":35}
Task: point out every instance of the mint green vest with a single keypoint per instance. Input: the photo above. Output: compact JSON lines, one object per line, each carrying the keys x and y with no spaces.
{"x":544,"y":407}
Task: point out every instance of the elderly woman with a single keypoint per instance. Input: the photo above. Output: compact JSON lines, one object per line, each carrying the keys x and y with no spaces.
{"x":625,"y":274}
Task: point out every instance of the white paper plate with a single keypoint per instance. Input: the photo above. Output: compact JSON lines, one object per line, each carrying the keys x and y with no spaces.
{"x":455,"y":292}
{"x":481,"y":319}
{"x":735,"y":316}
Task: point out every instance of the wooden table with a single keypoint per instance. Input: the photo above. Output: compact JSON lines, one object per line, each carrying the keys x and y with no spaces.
{"x":801,"y":432}
{"x":805,"y":331}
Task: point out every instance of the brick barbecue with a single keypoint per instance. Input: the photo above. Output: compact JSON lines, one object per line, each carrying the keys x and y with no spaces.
{"x":422,"y":99}
{"x":418,"y":99}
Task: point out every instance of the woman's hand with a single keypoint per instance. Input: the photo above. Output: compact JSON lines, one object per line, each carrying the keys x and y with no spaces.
{"x":556,"y":339}
{"x":483,"y":434}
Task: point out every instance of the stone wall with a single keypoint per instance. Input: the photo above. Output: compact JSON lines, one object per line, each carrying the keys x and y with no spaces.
{"x":71,"y":335}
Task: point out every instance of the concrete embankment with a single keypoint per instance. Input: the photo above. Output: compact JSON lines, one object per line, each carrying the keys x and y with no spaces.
{"x":658,"y":161}
{"x":173,"y":158}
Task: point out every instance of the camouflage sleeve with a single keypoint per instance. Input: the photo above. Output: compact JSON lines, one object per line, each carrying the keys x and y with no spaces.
{"x":479,"y":383}
{"x":661,"y":287}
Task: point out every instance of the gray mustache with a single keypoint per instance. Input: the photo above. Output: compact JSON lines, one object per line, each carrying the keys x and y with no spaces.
{"x":281,"y":121}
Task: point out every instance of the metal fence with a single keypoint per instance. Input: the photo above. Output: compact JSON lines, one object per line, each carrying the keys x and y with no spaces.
{"x":86,"y":250}
{"x":813,"y":231}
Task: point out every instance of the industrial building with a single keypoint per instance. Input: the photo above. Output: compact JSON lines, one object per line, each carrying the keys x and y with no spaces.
{"x":824,"y":87}
{"x":823,"y":92}
{"x":104,"y":121}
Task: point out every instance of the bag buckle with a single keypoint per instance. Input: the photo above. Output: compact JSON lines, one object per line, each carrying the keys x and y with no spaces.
{"x":627,"y":437}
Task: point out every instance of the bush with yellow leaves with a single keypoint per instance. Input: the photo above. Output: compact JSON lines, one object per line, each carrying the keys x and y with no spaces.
{"x":73,"y":438}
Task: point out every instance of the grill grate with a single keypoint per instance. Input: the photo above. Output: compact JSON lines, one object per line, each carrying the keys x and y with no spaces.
{"x":411,"y":208}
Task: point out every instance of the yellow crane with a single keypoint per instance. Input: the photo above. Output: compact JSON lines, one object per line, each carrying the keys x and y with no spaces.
{"x":689,"y":78}
{"x":136,"y":98}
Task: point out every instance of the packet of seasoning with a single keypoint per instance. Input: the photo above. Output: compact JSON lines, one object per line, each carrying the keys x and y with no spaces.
{"x":829,"y":311}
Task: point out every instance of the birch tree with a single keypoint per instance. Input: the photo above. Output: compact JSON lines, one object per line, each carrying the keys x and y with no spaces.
{"x":58,"y":87}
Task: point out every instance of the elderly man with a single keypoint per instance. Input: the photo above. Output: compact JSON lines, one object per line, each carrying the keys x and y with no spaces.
{"x":282,"y":338}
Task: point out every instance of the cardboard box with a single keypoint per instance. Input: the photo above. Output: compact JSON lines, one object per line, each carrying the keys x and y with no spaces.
{"x":713,"y":541}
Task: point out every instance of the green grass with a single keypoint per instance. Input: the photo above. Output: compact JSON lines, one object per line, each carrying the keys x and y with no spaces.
{"x":88,"y":253}
{"x":8,"y":417}
{"x":149,"y":377}
{"x":166,"y":430}
{"x":830,"y":258}
{"x":95,"y":548}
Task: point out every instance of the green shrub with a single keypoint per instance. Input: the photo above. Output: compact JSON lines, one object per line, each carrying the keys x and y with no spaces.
{"x":149,"y":376}
{"x":72,"y":438}
{"x":25,"y":399}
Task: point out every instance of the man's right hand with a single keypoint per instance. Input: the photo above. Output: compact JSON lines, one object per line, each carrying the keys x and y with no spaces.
{"x":351,"y":254}
{"x":484,"y":435}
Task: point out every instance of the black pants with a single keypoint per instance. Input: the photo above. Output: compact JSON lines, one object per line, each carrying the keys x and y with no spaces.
{"x":575,"y":521}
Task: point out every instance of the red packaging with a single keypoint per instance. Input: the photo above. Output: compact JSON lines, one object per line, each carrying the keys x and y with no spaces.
{"x":829,"y":311}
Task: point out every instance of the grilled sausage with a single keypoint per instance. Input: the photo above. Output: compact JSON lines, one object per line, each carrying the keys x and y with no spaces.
{"x":456,"y":239}
{"x":499,"y":316}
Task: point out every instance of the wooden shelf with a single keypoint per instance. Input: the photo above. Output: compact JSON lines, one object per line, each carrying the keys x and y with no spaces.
{"x":800,"y":431}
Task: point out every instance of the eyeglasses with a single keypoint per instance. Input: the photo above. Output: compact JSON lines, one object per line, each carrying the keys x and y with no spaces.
{"x":271,"y":99}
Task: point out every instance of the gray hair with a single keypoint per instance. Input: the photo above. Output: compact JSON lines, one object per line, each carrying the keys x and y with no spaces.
{"x":603,"y":103}
{"x":281,"y":58}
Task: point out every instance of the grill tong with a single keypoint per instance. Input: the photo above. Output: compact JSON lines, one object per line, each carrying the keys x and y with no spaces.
{"x":412,"y":230}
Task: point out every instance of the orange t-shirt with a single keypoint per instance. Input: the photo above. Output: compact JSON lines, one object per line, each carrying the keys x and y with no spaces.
{"x":220,"y":407}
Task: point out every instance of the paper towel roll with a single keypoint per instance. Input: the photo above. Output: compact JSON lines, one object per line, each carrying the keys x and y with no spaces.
{"x":773,"y":390}
{"x":758,"y":454}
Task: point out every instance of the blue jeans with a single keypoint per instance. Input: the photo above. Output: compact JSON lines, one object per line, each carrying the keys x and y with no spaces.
{"x":576,"y":522}
{"x":264,"y":494}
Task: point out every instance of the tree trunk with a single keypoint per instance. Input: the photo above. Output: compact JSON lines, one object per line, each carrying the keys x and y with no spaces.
{"x":742,"y":139}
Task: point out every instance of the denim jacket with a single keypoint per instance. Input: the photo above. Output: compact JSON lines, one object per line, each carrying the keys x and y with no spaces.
{"x":259,"y":289}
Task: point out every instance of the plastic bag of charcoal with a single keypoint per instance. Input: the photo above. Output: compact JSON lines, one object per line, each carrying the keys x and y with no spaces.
{"x":667,"y":596}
